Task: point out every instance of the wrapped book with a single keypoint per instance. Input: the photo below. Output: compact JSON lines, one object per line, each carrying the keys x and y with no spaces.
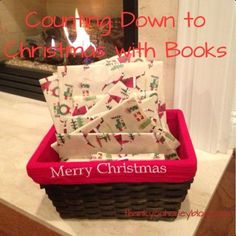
{"x":113,"y":109}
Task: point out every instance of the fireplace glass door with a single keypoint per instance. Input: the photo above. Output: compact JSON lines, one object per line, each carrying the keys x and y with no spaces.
{"x":38,"y":36}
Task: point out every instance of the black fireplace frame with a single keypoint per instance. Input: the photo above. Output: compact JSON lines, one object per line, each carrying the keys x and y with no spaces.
{"x":25,"y":82}
{"x":131,"y":32}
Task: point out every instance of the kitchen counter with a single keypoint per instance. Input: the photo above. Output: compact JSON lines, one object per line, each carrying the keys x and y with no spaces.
{"x":24,"y":122}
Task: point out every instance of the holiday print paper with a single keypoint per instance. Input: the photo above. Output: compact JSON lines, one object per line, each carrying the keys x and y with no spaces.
{"x":126,"y":117}
{"x":104,"y":110}
{"x":98,"y":79}
{"x":121,"y":157}
{"x":114,"y":96}
{"x":85,"y":145}
{"x":50,"y":88}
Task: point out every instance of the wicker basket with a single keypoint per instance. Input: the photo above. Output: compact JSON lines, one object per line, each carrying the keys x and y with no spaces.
{"x":152,"y":201}
{"x":152,"y":197}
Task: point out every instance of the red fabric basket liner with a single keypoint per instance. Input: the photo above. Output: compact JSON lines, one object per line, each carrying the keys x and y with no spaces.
{"x":45,"y":159}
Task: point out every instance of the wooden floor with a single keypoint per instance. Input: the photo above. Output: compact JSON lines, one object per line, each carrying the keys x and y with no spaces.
{"x":221,"y":209}
{"x":13,"y":223}
{"x":222,"y":204}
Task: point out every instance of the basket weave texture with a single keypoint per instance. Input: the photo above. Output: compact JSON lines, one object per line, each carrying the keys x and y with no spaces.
{"x":148,"y":196}
{"x":150,"y":201}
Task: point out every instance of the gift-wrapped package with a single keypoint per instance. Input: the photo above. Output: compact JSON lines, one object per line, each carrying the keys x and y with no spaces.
{"x":111,"y":108}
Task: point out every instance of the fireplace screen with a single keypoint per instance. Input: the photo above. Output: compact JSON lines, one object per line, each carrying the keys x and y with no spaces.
{"x":37,"y":36}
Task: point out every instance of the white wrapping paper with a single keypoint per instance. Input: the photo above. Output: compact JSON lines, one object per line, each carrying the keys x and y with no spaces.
{"x":110,"y":110}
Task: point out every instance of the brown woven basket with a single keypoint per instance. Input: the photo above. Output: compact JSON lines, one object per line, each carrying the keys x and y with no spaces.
{"x":151,"y":201}
{"x":149,"y":196}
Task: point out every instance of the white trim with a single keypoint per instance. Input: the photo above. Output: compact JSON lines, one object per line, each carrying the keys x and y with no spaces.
{"x":185,"y":67}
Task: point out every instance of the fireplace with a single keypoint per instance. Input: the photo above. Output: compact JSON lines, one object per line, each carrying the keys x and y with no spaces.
{"x":37,"y":29}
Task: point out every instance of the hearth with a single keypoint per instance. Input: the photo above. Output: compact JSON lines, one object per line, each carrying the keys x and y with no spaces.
{"x":39,"y":50}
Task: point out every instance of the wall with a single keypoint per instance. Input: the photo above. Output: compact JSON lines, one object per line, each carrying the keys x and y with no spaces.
{"x":12,"y":15}
{"x":157,"y":36}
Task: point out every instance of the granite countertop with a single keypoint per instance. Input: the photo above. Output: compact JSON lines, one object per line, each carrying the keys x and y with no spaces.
{"x":23,"y":124}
